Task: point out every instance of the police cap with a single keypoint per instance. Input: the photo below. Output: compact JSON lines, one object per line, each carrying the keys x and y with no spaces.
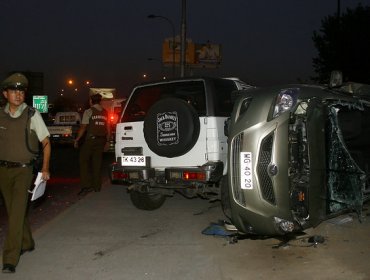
{"x":15,"y":81}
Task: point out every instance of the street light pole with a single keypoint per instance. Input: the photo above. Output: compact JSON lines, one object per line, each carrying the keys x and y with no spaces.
{"x":183,"y":38}
{"x":173,"y":39}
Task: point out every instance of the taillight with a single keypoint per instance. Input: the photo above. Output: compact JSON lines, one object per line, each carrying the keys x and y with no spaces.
{"x":113,"y":118}
{"x":119,"y":175}
{"x":194,"y":176}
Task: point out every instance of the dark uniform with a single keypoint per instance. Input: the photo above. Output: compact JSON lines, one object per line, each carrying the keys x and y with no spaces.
{"x":21,"y":128}
{"x":95,"y":120}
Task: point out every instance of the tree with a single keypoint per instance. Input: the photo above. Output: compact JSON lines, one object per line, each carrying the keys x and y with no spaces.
{"x":343,"y":43}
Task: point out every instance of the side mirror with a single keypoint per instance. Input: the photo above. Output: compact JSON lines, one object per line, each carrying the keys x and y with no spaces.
{"x":336,"y":79}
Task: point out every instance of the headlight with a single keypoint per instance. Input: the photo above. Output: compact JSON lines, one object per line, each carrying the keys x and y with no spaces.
{"x":283,"y":225}
{"x":285,"y":101}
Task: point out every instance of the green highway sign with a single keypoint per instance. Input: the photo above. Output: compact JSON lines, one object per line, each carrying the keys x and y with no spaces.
{"x":40,"y":102}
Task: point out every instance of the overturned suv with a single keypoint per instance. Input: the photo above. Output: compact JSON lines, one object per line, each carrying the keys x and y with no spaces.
{"x":298,"y":154}
{"x":171,"y":139}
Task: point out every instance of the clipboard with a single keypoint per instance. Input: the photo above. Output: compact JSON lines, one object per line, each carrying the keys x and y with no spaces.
{"x":39,"y":188}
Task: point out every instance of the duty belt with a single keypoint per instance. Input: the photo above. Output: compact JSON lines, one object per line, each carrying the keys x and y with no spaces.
{"x":11,"y":164}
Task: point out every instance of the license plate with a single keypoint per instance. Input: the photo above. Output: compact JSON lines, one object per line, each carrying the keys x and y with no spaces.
{"x":133,"y":161}
{"x":246,"y":179}
{"x":56,"y":136}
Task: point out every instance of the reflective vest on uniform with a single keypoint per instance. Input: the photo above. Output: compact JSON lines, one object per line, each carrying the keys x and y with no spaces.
{"x":98,"y":123}
{"x":14,"y":135}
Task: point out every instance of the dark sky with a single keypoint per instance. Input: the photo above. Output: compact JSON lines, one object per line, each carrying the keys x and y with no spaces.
{"x":109,"y":42}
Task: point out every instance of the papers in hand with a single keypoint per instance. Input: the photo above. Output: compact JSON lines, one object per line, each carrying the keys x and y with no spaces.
{"x":39,"y":188}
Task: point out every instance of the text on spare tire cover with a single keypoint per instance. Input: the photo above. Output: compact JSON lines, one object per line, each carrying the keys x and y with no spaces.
{"x":167,"y":129}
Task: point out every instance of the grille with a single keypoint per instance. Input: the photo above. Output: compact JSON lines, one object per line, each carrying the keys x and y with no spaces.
{"x":264,"y":160}
{"x":237,"y":142}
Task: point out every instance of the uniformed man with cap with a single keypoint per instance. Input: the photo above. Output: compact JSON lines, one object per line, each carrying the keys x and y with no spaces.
{"x":95,"y":124}
{"x":21,"y":130}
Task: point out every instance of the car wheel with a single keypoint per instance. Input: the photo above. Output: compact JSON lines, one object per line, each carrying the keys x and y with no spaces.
{"x":171,"y":127}
{"x":146,"y":200}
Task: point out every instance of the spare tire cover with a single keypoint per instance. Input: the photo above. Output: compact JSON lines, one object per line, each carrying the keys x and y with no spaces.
{"x":171,"y":127}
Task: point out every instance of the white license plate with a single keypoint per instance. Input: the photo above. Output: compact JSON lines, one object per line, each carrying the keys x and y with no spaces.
{"x":246,"y":178}
{"x":133,"y":161}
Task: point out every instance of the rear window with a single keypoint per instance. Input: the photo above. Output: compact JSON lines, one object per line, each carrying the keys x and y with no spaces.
{"x":144,"y":97}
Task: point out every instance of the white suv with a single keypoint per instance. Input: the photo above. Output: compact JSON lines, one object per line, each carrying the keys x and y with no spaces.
{"x":171,"y":138}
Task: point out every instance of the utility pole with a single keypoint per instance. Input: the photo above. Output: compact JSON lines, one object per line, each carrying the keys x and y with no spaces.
{"x":183,"y":38}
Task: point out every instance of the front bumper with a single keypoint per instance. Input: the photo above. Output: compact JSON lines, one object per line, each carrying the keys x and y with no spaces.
{"x":288,"y":174}
{"x":257,"y":207}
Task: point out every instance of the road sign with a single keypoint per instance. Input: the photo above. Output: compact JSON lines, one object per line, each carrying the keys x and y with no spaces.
{"x":40,"y":102}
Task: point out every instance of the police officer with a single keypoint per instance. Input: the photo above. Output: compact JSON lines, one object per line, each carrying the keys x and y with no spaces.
{"x":95,"y":124}
{"x":21,"y":130}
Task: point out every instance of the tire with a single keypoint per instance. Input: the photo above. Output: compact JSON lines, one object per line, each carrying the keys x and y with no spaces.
{"x":171,"y":127}
{"x":147,"y":201}
{"x":225,"y":197}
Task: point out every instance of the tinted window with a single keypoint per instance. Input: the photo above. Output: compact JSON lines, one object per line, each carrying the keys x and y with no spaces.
{"x":143,"y":98}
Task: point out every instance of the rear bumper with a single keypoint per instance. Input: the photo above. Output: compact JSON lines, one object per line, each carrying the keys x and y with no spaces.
{"x":167,"y":177}
{"x":61,"y":139}
{"x":127,"y":174}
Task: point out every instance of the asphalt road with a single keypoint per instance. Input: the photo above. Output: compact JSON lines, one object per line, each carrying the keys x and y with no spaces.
{"x":103,"y":236}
